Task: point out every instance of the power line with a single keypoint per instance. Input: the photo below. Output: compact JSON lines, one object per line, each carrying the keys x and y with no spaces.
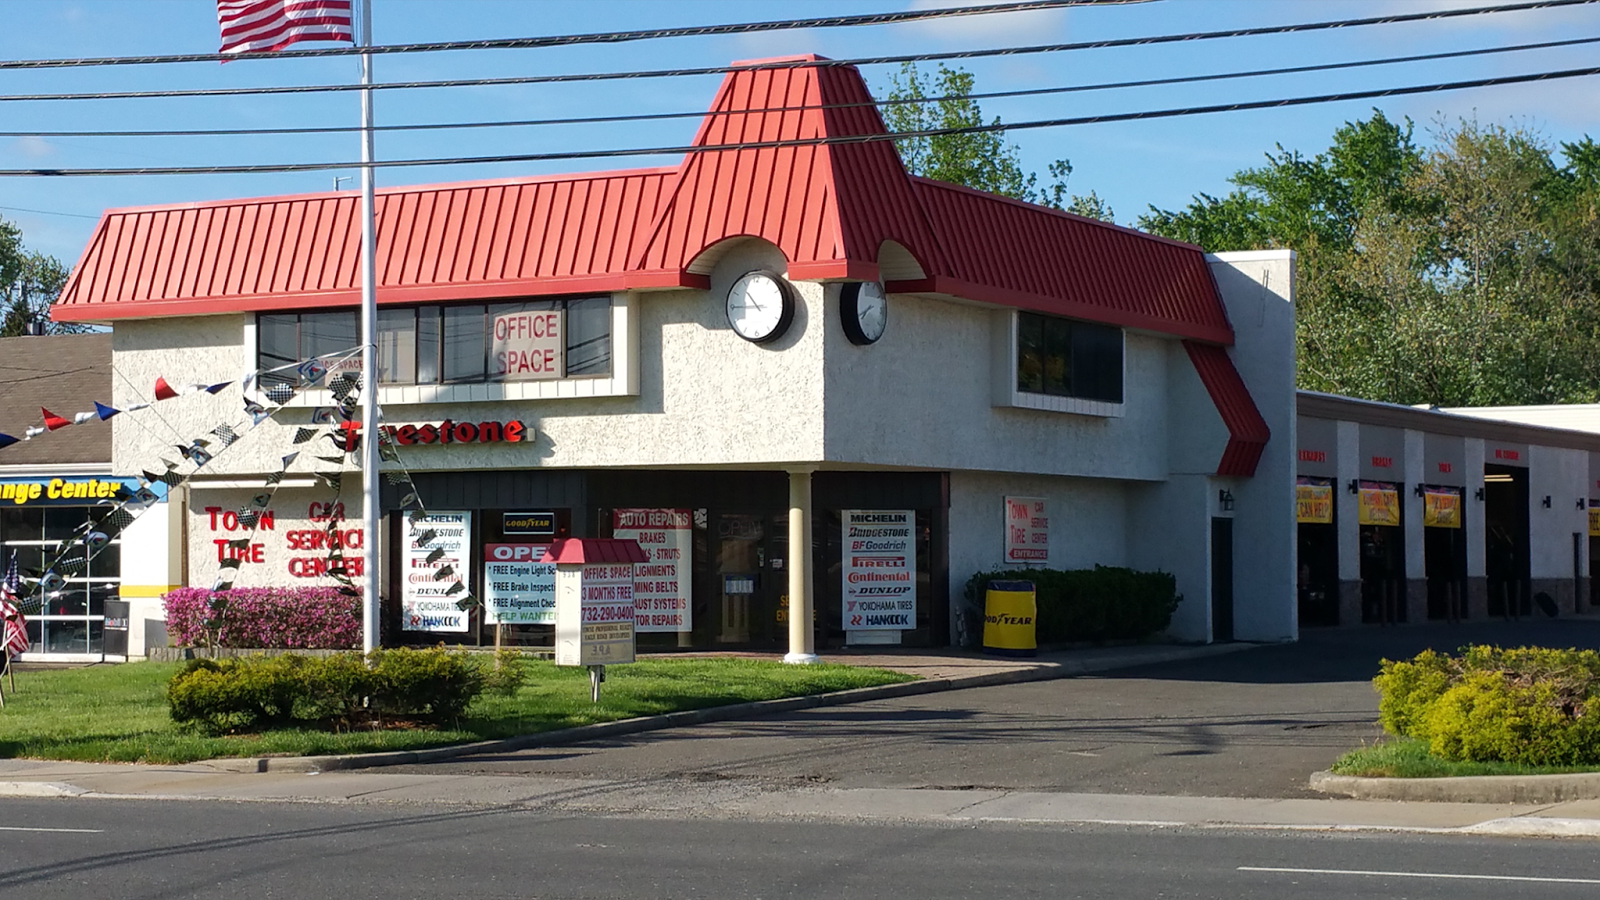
{"x":810,"y":142}
{"x":47,"y":212}
{"x":1148,"y":40}
{"x":701,"y":114}
{"x":569,"y":40}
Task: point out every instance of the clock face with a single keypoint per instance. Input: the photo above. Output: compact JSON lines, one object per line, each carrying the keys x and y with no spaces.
{"x":864,"y":311}
{"x":760,"y":306}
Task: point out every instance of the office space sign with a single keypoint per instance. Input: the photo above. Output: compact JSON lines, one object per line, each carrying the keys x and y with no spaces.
{"x":880,"y":569}
{"x":1027,"y":531}
{"x":427,"y":601}
{"x":526,"y":345}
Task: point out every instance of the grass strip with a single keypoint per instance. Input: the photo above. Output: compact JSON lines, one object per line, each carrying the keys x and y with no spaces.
{"x":118,"y":713}
{"x":1408,"y":758}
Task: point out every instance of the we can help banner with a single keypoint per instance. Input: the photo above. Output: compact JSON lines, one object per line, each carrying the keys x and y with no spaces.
{"x":1313,"y":501}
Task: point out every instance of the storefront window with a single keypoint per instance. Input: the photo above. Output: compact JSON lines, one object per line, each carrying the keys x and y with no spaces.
{"x":453,"y":344}
{"x":71,"y":621}
{"x":1066,"y":358}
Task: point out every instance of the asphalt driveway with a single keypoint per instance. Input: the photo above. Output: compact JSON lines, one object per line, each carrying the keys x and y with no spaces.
{"x":1249,"y":724}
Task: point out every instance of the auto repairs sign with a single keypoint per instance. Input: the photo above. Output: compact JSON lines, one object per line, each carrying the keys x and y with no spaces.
{"x":662,"y":586}
{"x":518,"y":589}
{"x":879,"y":569}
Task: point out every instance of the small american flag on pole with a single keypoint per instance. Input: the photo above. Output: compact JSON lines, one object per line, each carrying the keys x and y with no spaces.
{"x":15,"y":627}
{"x":255,"y":26}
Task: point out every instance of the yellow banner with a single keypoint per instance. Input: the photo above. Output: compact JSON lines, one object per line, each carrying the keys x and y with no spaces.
{"x":1441,"y":509}
{"x":1313,"y":503}
{"x":1378,"y":504}
{"x":1594,"y":523}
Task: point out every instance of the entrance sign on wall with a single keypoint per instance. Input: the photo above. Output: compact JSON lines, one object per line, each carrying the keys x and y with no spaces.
{"x":879,"y":569}
{"x":519,"y":588}
{"x":1378,"y":503}
{"x":663,"y":585}
{"x":1441,"y":507}
{"x":427,"y":602}
{"x":1027,"y":531}
{"x":1313,"y":501}
{"x":526,"y":345}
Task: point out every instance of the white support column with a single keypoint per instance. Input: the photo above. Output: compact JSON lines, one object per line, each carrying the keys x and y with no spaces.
{"x":802,"y":641}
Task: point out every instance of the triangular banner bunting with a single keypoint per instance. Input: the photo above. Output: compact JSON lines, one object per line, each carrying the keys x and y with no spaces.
{"x":164,"y":391}
{"x":103,"y":411}
{"x":53,"y":421}
{"x":7,"y":440}
{"x":82,"y":417}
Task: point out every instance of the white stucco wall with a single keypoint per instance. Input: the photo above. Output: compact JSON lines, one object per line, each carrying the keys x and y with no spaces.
{"x":1560,"y":475}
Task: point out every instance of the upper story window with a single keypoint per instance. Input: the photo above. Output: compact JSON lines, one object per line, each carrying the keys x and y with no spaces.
{"x":532,"y":340}
{"x":1067,"y":358}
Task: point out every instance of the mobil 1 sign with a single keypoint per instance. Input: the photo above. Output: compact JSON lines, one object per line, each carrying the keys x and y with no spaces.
{"x":880,"y":569}
{"x":519,"y":588}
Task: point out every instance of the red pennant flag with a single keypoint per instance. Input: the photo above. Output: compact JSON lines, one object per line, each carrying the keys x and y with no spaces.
{"x":164,"y":391}
{"x":53,"y":421}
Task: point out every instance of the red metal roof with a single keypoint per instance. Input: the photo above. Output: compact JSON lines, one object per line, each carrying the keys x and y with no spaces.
{"x":595,"y":550}
{"x":831,"y":209}
{"x":1247,"y":430}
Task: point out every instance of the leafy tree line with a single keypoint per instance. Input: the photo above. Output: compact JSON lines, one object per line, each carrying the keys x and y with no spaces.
{"x":1464,"y":273}
{"x":29,"y":283}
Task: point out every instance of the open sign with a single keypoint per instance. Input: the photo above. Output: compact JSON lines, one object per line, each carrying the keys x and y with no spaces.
{"x":514,"y":552}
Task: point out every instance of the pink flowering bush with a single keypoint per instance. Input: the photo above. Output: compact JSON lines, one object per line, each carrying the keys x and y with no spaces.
{"x":307,"y":618}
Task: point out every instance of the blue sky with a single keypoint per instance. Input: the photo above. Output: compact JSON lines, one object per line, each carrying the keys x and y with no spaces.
{"x":1132,"y":165}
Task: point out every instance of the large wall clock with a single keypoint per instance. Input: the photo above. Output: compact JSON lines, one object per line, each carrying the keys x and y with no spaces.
{"x":864,"y":311}
{"x":760,"y":306}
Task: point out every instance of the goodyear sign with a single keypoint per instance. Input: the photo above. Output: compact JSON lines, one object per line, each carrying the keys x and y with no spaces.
{"x":67,"y":491}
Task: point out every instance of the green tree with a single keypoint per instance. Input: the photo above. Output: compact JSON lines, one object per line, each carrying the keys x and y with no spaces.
{"x":1468,"y":274}
{"x":29,"y":283}
{"x":982,"y":160}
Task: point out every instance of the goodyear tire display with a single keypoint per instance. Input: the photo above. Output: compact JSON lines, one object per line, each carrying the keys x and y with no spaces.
{"x":1010,"y":611}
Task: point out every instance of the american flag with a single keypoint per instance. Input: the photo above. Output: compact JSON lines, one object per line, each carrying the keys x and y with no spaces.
{"x":254,"y":26}
{"x":16,"y":627}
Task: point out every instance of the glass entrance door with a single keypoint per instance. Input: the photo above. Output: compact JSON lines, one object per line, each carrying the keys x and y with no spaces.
{"x":743,"y":584}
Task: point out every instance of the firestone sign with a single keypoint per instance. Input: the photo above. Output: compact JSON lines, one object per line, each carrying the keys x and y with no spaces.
{"x":447,"y":432}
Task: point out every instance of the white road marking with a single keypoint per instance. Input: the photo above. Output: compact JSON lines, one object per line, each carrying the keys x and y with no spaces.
{"x":55,"y":830}
{"x":1422,"y":875}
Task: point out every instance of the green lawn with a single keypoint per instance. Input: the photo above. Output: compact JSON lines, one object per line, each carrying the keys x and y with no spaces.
{"x":119,"y":712}
{"x":1407,"y":758}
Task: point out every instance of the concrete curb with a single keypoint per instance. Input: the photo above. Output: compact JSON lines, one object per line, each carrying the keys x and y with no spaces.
{"x":622,"y":727}
{"x":1468,"y":789}
{"x":39,"y":789}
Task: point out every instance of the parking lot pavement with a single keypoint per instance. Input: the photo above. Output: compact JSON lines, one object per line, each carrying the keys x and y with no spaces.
{"x":1248,"y":724}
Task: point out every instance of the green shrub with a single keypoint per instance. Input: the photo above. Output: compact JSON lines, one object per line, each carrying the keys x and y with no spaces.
{"x":342,"y":691}
{"x":1531,"y":705}
{"x":1100,"y":604}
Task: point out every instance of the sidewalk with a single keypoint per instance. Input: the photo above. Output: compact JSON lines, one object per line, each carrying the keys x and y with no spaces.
{"x":27,"y":778}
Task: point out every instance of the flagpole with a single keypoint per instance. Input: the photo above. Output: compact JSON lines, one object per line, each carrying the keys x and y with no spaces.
{"x":369,"y":358}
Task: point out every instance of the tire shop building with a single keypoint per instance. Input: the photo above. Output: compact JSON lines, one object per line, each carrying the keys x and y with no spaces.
{"x":53,"y":483}
{"x":1409,"y":515}
{"x":926,"y":381}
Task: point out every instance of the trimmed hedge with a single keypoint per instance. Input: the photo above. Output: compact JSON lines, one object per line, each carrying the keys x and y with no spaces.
{"x":342,"y":692}
{"x":1528,"y":705}
{"x":1100,"y":604}
{"x":310,"y":618}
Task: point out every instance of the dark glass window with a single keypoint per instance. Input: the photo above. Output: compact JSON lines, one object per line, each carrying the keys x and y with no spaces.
{"x":397,"y":346}
{"x":329,"y":334}
{"x":278,"y":344}
{"x":589,"y":336}
{"x":1066,"y":358}
{"x":429,"y":341}
{"x":464,"y":346}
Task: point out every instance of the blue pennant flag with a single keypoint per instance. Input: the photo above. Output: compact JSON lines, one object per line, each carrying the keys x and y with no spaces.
{"x":103,"y":411}
{"x":7,"y":440}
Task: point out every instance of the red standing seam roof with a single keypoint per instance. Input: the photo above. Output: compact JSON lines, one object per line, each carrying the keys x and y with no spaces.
{"x":830,"y":208}
{"x":1247,"y":430}
{"x":595,"y":550}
